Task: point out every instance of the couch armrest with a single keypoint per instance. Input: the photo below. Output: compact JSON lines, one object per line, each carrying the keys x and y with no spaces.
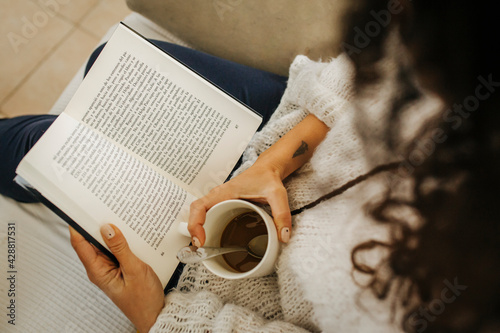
{"x":259,"y":33}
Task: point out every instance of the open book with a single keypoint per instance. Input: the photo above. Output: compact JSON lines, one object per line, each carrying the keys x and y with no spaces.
{"x":142,"y":138}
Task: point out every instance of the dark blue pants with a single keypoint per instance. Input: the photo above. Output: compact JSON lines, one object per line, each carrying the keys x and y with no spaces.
{"x":259,"y":90}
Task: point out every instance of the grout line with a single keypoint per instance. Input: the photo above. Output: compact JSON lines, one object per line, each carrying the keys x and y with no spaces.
{"x":37,"y":67}
{"x":78,"y":23}
{"x":82,"y":28}
{"x":3,"y":114}
{"x":67,"y":19}
{"x":75,"y":23}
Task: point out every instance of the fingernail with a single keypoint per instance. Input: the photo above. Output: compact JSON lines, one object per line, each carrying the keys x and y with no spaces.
{"x":196,"y":242}
{"x":285,"y":235}
{"x":108,"y":231}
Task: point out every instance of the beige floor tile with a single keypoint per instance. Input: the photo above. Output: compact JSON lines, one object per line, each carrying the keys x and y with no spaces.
{"x":29,"y":35}
{"x":41,"y":90}
{"x":74,"y":10}
{"x":104,"y":15}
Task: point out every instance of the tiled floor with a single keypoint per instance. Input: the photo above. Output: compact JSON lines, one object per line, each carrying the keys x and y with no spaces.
{"x":43,"y":44}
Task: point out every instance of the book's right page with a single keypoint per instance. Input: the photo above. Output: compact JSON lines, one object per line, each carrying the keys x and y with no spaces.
{"x":166,"y":115}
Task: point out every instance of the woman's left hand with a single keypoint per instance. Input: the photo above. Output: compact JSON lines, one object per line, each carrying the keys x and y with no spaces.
{"x":132,"y":285}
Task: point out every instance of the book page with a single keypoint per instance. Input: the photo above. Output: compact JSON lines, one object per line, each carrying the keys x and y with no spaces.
{"x":164,"y":114}
{"x":179,"y":139}
{"x":145,"y":201}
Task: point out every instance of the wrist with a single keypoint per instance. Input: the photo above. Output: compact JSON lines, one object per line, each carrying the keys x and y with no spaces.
{"x":144,"y":327}
{"x":295,"y":148}
{"x":268,"y":164}
{"x":147,"y":319}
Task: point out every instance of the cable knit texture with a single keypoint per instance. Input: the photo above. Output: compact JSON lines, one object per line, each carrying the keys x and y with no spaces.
{"x":313,"y":288}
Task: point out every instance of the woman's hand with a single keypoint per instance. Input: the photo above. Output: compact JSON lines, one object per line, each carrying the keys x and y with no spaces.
{"x":263,"y":182}
{"x":260,"y":183}
{"x":133,"y":286}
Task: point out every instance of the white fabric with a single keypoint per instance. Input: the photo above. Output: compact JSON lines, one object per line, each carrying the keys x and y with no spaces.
{"x":313,"y":288}
{"x":52,"y":291}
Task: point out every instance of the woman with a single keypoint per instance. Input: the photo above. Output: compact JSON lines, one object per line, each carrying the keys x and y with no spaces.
{"x":407,"y":237}
{"x":426,"y":257}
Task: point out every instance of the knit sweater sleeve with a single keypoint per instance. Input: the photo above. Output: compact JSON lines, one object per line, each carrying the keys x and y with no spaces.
{"x":204,"y":311}
{"x":322,"y":88}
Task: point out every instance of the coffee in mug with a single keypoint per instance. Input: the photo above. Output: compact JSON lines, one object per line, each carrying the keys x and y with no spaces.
{"x":238,"y":233}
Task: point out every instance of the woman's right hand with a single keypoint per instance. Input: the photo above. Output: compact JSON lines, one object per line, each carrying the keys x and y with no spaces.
{"x":263,"y":181}
{"x":260,"y":183}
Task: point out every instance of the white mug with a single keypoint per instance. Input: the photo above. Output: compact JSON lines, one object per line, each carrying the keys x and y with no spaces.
{"x":217,"y":219}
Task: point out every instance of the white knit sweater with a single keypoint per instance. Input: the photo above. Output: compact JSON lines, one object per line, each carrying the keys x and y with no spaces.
{"x":313,"y":288}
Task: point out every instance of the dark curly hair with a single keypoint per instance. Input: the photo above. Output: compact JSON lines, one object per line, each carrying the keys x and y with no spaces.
{"x":447,"y":270}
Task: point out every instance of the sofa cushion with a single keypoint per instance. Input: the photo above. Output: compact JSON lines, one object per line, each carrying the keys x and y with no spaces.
{"x":259,"y":33}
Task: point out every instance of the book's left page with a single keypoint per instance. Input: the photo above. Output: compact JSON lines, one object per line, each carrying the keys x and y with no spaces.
{"x":95,"y":182}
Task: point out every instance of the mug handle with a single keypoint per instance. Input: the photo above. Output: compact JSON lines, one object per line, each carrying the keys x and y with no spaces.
{"x":182,"y":228}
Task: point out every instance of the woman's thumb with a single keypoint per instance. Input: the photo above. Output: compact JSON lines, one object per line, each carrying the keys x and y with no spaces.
{"x":118,"y":245}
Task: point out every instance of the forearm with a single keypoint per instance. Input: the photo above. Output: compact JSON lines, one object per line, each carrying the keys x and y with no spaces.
{"x":295,"y":148}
